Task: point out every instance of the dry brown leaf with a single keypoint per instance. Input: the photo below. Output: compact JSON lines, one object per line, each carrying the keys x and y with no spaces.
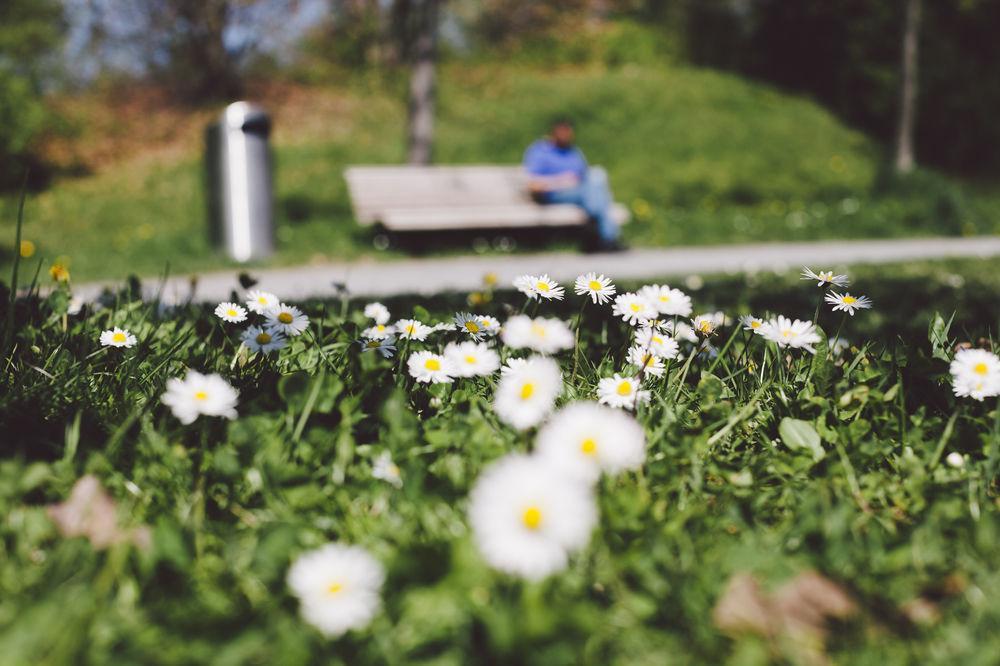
{"x":90,"y":512}
{"x":743,"y":608}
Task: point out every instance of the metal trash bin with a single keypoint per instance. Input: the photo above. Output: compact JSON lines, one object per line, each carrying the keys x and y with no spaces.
{"x":238,"y":167}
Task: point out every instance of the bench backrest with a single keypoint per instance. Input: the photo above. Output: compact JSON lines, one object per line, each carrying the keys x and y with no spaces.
{"x":377,"y":188}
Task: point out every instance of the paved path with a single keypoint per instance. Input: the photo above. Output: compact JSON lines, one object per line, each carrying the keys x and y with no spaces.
{"x":434,"y":275}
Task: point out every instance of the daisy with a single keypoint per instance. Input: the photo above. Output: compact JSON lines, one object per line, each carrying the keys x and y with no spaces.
{"x":787,"y":333}
{"x":705,"y":324}
{"x":470,"y":324}
{"x":584,"y":439}
{"x":491,"y":325}
{"x":443,"y":326}
{"x":117,"y":337}
{"x":199,"y":394}
{"x":385,"y":346}
{"x":545,"y":336}
{"x":527,"y":392}
{"x":526,"y":285}
{"x":512,"y":364}
{"x":385,"y":470}
{"x":847,"y":303}
{"x":622,"y":392}
{"x":751,"y":323}
{"x":824,"y":278}
{"x":955,"y":459}
{"x":411,"y":329}
{"x":528,"y":518}
{"x":548,"y":288}
{"x":471,"y":359}
{"x":263,"y":340}
{"x":658,"y":344}
{"x":667,"y":301}
{"x":682,"y":330}
{"x":377,"y":332}
{"x":429,"y":368}
{"x":975,"y":374}
{"x":337,"y":586}
{"x":231,"y":312}
{"x":650,"y":363}
{"x":260,"y":301}
{"x":378,"y":312}
{"x":633,"y":308}
{"x":287,"y":318}
{"x":597,"y":287}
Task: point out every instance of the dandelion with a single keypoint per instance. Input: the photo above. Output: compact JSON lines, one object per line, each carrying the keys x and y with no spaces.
{"x":975,"y":374}
{"x":263,"y":340}
{"x":584,"y":439}
{"x":548,"y":288}
{"x":260,"y":301}
{"x":231,"y":313}
{"x":377,"y":312}
{"x":667,"y":301}
{"x":621,"y":392}
{"x":117,"y":337}
{"x":847,"y":303}
{"x":429,"y":368}
{"x":650,"y":363}
{"x":378,"y":332}
{"x":825,"y":278}
{"x":751,"y":323}
{"x":527,"y":392}
{"x":410,"y":329}
{"x":658,"y":344}
{"x":597,"y":287}
{"x":288,"y":319}
{"x":385,"y":470}
{"x":545,"y":336}
{"x":705,"y":324}
{"x":471,"y":359}
{"x":470,"y":324}
{"x":337,"y":586}
{"x":528,"y":518}
{"x":787,"y":333}
{"x":633,"y":308}
{"x":385,"y":346}
{"x":199,"y":394}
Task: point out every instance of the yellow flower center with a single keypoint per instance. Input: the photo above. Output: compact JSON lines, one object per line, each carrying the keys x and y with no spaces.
{"x":201,"y":395}
{"x":664,"y":299}
{"x":538,"y":330}
{"x":334,"y":588}
{"x":625,"y":388}
{"x":372,"y":344}
{"x":850,"y":300}
{"x":118,"y":337}
{"x":411,"y":329}
{"x":980,"y":369}
{"x":542,"y":286}
{"x":527,"y":390}
{"x":588,"y":446}
{"x":472,"y":326}
{"x":594,"y":285}
{"x":532,"y":518}
{"x":657,"y":339}
{"x":648,"y":360}
{"x":432,"y":364}
{"x":263,"y":338}
{"x":262,"y":300}
{"x":826,"y":277}
{"x":755,"y":324}
{"x":285,"y":318}
{"x":231,"y":312}
{"x":786,"y":333}
{"x":471,"y":360}
{"x":636,"y":307}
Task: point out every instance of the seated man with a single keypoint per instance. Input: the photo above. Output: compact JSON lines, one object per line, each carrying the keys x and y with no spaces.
{"x":558,"y":173}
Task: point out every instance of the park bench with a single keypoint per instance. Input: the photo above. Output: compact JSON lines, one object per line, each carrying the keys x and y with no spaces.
{"x":453,"y":198}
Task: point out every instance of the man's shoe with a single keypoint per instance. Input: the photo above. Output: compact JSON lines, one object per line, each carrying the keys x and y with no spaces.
{"x":610,"y":247}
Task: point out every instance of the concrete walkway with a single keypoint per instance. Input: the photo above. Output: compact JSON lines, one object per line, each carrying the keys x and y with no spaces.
{"x":465,"y":273}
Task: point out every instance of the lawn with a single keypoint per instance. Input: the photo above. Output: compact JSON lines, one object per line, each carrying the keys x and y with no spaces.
{"x":699,"y":156}
{"x":785,"y":506}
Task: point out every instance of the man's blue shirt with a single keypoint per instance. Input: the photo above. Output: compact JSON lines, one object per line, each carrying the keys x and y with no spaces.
{"x":544,"y":158}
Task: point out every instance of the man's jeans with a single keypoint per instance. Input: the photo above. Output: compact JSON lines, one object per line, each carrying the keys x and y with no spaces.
{"x":594,"y":196}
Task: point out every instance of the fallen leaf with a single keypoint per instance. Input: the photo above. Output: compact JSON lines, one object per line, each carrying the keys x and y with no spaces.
{"x":90,"y":512}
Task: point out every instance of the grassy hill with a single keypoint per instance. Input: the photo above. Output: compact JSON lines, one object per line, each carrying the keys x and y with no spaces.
{"x":700,"y":156}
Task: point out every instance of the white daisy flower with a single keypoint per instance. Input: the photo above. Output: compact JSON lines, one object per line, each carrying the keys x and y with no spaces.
{"x":264,"y":340}
{"x":472,"y":359}
{"x":231,"y":312}
{"x":597,"y":287}
{"x":650,"y":363}
{"x":705,"y":324}
{"x":658,"y":344}
{"x":287,"y":318}
{"x":847,"y":303}
{"x":410,"y":329}
{"x":682,"y":330}
{"x":751,"y":323}
{"x":955,"y":459}
{"x":491,"y":325}
{"x":199,"y":394}
{"x":385,"y":470}
{"x":787,"y":333}
{"x":548,"y":288}
{"x":338,"y":587}
{"x":117,"y":337}
{"x":512,"y":364}
{"x":825,"y":278}
{"x":429,"y":368}
{"x":470,"y":324}
{"x":527,"y":518}
{"x":378,"y":332}
{"x":621,"y":392}
{"x":378,"y":312}
{"x":667,"y":301}
{"x":76,"y":304}
{"x":543,"y":335}
{"x":975,"y":374}
{"x":385,"y":346}
{"x":444,"y":326}
{"x":584,"y":439}
{"x":633,"y":308}
{"x":526,"y":285}
{"x":527,"y":392}
{"x":260,"y":301}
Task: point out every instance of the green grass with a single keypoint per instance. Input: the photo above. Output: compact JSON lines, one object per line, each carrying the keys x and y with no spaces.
{"x":860,"y":495}
{"x":700,"y":157}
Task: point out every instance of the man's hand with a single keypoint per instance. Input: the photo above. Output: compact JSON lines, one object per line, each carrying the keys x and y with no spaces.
{"x":560,"y":181}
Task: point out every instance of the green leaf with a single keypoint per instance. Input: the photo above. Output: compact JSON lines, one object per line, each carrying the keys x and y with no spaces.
{"x":797,"y":434}
{"x":937,"y":333}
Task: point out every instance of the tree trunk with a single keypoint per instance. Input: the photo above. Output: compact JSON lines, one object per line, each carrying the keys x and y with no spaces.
{"x":421,"y":108}
{"x":905,"y":160}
